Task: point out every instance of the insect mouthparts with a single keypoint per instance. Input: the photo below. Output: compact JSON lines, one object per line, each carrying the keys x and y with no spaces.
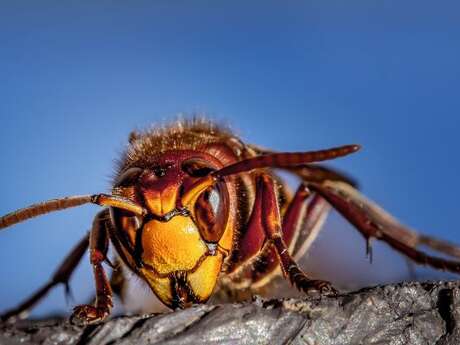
{"x":183,"y":211}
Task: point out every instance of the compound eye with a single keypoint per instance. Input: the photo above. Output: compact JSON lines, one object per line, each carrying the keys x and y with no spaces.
{"x":128,"y":177}
{"x":210,"y":214}
{"x":197,"y":168}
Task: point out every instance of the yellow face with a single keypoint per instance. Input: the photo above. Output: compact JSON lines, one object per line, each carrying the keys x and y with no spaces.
{"x":177,"y":262}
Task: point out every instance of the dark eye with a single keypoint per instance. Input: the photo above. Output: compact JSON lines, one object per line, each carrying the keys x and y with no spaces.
{"x":128,"y":177}
{"x":197,"y":168}
{"x":208,"y":210}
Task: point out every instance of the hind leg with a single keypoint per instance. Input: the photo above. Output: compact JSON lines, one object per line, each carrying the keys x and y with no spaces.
{"x":373,"y":222}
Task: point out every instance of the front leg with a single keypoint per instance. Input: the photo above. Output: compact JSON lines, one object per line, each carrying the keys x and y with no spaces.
{"x":271,"y":224}
{"x":98,"y":242}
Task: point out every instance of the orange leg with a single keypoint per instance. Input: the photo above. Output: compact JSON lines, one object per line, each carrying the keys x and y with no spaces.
{"x":272,"y":226}
{"x":254,"y":239}
{"x":99,"y":241}
{"x":267,"y":247}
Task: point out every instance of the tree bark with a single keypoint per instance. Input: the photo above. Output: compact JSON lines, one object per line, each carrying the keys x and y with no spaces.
{"x":406,"y":313}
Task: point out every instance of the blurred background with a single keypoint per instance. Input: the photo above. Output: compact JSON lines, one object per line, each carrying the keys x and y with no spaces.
{"x":77,"y":77}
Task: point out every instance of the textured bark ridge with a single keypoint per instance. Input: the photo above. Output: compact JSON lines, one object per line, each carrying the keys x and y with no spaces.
{"x":408,"y":313}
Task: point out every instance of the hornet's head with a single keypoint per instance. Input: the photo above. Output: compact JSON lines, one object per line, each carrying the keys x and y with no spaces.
{"x":180,"y":244}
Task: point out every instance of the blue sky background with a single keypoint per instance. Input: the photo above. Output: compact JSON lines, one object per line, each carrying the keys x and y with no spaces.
{"x":77,"y":76}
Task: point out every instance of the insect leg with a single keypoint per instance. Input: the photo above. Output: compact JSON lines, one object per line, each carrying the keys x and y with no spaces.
{"x":272,"y":226}
{"x":251,"y":241}
{"x":318,"y":208}
{"x":98,"y":243}
{"x":441,"y":246}
{"x":61,"y":276}
{"x":373,"y":222}
{"x":294,"y":213}
{"x":302,"y":222}
{"x":313,"y":220}
{"x":118,"y":280}
{"x":257,"y":257}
